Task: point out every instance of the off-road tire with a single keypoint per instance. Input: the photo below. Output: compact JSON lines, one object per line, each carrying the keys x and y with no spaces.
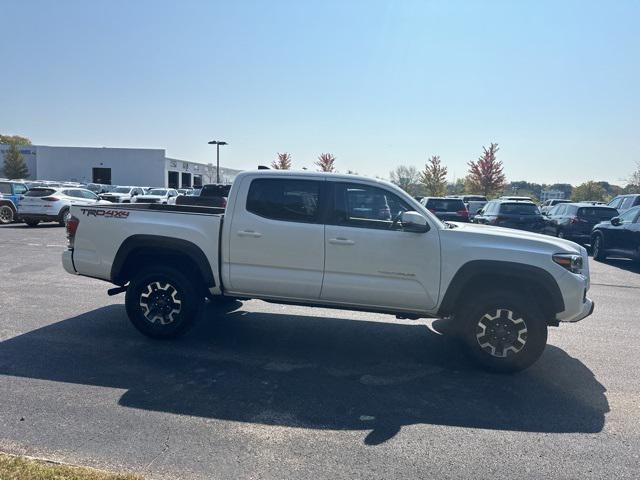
{"x":502,"y":331}
{"x":162,"y":302}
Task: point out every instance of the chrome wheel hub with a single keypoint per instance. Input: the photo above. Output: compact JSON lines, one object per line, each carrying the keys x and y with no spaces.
{"x":501,"y":333}
{"x":160,"y":303}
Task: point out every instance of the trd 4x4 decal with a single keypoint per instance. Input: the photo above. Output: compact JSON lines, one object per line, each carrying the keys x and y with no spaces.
{"x":94,"y":212}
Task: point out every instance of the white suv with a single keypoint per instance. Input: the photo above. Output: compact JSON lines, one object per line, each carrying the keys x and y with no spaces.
{"x":46,"y":204}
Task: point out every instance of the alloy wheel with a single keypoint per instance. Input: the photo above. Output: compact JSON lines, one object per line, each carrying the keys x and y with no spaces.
{"x":6,"y":214}
{"x":501,"y":333}
{"x":160,"y":302}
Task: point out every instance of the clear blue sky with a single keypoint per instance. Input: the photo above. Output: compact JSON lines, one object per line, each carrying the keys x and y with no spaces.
{"x":377,"y":84}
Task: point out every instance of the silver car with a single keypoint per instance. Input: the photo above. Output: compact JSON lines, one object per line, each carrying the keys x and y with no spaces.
{"x":51,"y":204}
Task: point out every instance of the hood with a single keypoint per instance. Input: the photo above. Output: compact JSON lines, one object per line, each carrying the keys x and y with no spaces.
{"x":539,"y":241}
{"x":152,"y":197}
{"x":113,"y":194}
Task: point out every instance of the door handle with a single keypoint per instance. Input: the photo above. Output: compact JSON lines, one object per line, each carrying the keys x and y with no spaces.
{"x":341,"y":241}
{"x":249,"y":233}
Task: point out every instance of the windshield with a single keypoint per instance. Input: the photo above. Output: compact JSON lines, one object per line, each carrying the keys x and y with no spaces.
{"x":157,"y":191}
{"x":519,"y":209}
{"x":121,"y":190}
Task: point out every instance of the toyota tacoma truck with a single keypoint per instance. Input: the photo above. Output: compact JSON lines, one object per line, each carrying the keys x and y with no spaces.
{"x":340,"y":241}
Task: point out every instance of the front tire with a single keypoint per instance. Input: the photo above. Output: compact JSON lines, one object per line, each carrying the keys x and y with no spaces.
{"x":502,"y":332}
{"x":6,"y":214}
{"x":162,"y":302}
{"x":597,"y":248}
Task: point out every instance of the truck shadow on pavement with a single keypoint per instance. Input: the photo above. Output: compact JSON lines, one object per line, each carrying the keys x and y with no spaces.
{"x":309,"y":372}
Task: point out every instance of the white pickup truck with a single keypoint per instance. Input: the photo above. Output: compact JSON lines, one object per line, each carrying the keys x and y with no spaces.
{"x":338,"y":241}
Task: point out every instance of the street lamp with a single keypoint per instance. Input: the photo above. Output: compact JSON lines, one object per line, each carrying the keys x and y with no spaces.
{"x":217,"y":144}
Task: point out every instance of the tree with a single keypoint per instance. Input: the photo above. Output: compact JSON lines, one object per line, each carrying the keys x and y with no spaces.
{"x":405,"y":177}
{"x":14,"y":140}
{"x":282,"y":163}
{"x":14,"y":166}
{"x":589,"y":191}
{"x":434,"y":177}
{"x":486,"y":175}
{"x":326,"y":162}
{"x":633,"y":184}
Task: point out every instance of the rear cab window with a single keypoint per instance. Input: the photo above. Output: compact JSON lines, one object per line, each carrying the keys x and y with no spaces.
{"x":289,"y":200}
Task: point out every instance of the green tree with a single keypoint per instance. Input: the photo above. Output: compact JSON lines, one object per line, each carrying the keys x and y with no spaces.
{"x":486,"y":175}
{"x":589,"y":191}
{"x":405,"y":177}
{"x":283,"y":162}
{"x":14,"y":140}
{"x":434,"y":177}
{"x":326,"y":162}
{"x":14,"y":165}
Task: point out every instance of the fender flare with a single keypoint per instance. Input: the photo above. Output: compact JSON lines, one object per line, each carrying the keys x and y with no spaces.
{"x":150,"y":244}
{"x":9,"y":203}
{"x":513,"y":271}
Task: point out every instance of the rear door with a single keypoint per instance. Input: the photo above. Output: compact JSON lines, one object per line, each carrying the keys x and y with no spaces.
{"x":276,"y":239}
{"x":369,"y":259}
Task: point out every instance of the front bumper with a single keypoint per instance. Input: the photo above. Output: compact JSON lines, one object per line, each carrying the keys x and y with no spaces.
{"x":587,"y":309}
{"x":67,"y":262}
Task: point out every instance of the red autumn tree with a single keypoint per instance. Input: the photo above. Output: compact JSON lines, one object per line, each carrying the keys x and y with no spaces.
{"x":326,"y":162}
{"x":282,"y":163}
{"x":486,"y":175}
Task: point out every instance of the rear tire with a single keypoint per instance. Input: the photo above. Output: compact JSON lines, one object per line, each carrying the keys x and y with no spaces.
{"x":7,"y":214}
{"x":597,"y":248}
{"x":502,"y":332}
{"x":162,"y":302}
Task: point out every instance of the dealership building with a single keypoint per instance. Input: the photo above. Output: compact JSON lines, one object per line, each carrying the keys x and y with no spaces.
{"x":116,"y":166}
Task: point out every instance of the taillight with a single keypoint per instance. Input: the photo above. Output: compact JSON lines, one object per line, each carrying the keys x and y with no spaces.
{"x":463,"y":213}
{"x":500,"y":219}
{"x":50,"y":199}
{"x":72,"y":226}
{"x":224,"y":202}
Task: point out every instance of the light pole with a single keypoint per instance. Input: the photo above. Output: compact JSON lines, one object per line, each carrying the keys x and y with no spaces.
{"x":217,"y":144}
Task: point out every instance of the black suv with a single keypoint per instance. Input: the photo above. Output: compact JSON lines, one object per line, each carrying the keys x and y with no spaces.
{"x":622,"y":203}
{"x":574,"y":221}
{"x":451,"y":209}
{"x":522,"y":215}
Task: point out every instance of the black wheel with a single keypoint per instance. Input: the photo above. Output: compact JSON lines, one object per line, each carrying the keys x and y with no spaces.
{"x":502,"y":332}
{"x":31,"y":223}
{"x":162,"y":302}
{"x":6,"y":214}
{"x":597,"y":248}
{"x":63,"y":216}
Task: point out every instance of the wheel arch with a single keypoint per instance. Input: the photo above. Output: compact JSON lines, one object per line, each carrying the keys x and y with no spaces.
{"x":137,"y":250}
{"x":5,"y":202}
{"x":476,"y":275}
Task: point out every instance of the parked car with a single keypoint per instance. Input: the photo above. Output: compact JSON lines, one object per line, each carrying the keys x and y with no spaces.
{"x":300,"y":237}
{"x":447,"y":209}
{"x":99,"y":188}
{"x":574,"y":221}
{"x":157,"y":195}
{"x":622,"y":203}
{"x":619,"y":237}
{"x":547,"y":205}
{"x":474,"y":206}
{"x":122,"y":194}
{"x":11,"y":195}
{"x":211,"y":195}
{"x":46,"y":204}
{"x":522,"y":215}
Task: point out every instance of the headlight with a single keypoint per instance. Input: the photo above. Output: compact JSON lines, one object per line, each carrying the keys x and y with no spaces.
{"x":570,"y":261}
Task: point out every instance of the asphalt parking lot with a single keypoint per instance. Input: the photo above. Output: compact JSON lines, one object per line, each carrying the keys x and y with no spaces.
{"x":270,"y":391}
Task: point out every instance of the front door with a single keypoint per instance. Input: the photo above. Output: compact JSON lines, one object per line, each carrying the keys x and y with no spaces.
{"x":276,"y":240}
{"x":370,"y":260}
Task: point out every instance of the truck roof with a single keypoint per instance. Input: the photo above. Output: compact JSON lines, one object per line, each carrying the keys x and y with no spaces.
{"x":315,"y":175}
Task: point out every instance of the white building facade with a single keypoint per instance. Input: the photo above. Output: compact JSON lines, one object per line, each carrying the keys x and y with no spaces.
{"x":116,"y":166}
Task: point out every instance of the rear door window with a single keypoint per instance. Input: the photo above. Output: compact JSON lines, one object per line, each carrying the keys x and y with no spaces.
{"x":5,"y":188}
{"x":288,"y":200}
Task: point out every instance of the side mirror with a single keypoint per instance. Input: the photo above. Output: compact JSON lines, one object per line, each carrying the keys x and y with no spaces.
{"x":479,"y":211}
{"x":615,"y":221}
{"x":414,"y":222}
